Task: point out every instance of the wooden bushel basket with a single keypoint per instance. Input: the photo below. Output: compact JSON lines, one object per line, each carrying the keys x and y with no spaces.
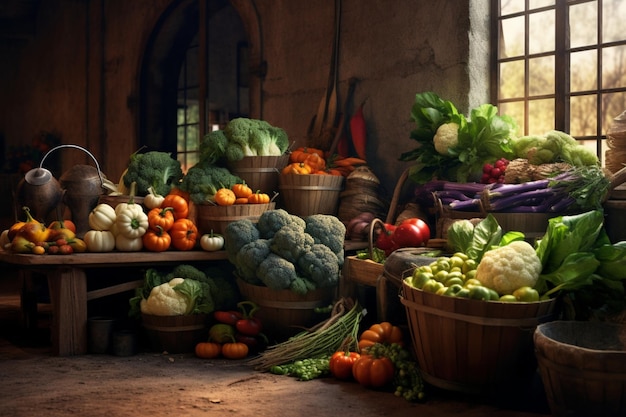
{"x":283,"y":312}
{"x":474,"y":346}
{"x":212,"y":217}
{"x":583,"y":367}
{"x":175,"y":334}
{"x":260,"y":172}
{"x":305,"y":195}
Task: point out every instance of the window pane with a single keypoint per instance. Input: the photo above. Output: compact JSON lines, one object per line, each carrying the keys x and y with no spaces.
{"x":511,"y":6}
{"x":542,"y":23}
{"x":614,"y":67}
{"x":540,"y":116}
{"x":192,"y":113}
{"x":583,"y":24}
{"x":583,"y":119}
{"x":583,"y":71}
{"x":541,"y":76}
{"x":613,"y":15}
{"x":515,"y":110}
{"x":180,"y":139}
{"x":612,"y":106}
{"x":512,"y":79}
{"x":512,"y":43}
{"x":535,"y":4}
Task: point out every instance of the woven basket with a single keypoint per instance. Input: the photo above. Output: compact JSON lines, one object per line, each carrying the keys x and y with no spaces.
{"x":283,"y":312}
{"x":211,"y":217}
{"x":305,"y":195}
{"x":259,"y":172}
{"x":583,"y":367}
{"x":175,"y":334}
{"x":474,"y":346}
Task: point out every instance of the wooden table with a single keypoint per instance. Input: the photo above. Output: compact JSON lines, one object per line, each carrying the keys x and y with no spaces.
{"x":67,"y":282}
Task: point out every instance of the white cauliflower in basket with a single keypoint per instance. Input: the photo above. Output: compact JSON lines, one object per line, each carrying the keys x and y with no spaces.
{"x":446,"y":137}
{"x":509,"y":267}
{"x":165,"y":301}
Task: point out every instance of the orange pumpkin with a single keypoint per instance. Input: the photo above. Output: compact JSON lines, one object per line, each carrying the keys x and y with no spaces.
{"x":299,"y":168}
{"x":384,"y":332}
{"x":315,"y":161}
{"x":156,"y":240}
{"x":373,"y":372}
{"x":208,"y":350}
{"x":259,"y":198}
{"x":302,"y":153}
{"x":241,"y":190}
{"x":161,"y":217}
{"x":184,"y":234}
{"x":235,"y":350}
{"x":178,"y":204}
{"x":225,"y":197}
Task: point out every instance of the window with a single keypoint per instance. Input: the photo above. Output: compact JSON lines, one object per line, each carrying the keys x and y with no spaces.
{"x":560,"y":64}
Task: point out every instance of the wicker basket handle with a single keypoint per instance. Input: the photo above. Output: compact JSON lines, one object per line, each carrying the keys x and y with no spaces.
{"x":376,"y":223}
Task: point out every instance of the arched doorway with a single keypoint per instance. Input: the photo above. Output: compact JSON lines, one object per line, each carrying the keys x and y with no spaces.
{"x":214,"y":63}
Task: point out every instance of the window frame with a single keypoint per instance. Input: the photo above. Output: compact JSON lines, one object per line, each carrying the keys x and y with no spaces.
{"x":562,"y":54}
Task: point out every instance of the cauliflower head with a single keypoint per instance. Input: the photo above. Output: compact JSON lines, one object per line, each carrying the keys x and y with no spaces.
{"x":509,"y":267}
{"x":165,"y":301}
{"x":446,"y":137}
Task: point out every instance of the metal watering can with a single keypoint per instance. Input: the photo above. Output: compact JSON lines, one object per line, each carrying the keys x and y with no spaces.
{"x":79,"y":188}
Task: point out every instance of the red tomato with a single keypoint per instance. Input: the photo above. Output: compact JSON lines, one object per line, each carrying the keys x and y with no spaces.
{"x":341,"y":364}
{"x":411,"y":232}
{"x":384,"y":240}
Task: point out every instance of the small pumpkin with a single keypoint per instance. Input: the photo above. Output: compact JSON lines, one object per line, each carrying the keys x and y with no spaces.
{"x":152,"y":199}
{"x":224,"y":197}
{"x":383,"y":332}
{"x":241,"y":190}
{"x":373,"y":372}
{"x":235,"y":350}
{"x":299,"y":168}
{"x":102,"y":217}
{"x":178,"y":204}
{"x":212,"y":242}
{"x":208,"y":350}
{"x":341,"y":364}
{"x":259,"y":198}
{"x":316,"y":162}
{"x":128,"y":244}
{"x":99,"y":240}
{"x":184,"y":234}
{"x":162,"y":217}
{"x":302,"y":153}
{"x":157,"y":240}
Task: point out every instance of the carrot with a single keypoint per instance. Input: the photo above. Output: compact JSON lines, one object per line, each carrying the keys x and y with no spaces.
{"x":340,"y":162}
{"x":358,"y":131}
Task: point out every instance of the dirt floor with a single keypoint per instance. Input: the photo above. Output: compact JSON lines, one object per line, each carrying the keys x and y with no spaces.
{"x":35,"y":383}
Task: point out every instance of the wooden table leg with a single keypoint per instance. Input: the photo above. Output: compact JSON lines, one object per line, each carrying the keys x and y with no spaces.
{"x":68,"y":295}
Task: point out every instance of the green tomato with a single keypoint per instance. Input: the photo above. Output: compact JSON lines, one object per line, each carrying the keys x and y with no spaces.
{"x":468,"y":265}
{"x":432,"y":285}
{"x":463,"y":293}
{"x":425,"y":268}
{"x":454,"y":280}
{"x":526,"y":295}
{"x":508,"y":298}
{"x":493,"y":295}
{"x":456,"y":261}
{"x":472,"y":282}
{"x":478,"y":292}
{"x":470,"y":274}
{"x":461,"y":255}
{"x":441,"y":276}
{"x":442,"y":290}
{"x":443,"y":264}
{"x":453,"y":289}
{"x":420,"y":279}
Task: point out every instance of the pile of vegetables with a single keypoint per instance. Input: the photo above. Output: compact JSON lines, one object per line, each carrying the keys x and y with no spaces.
{"x":574,"y":259}
{"x":284,"y":251}
{"x":234,"y":334}
{"x":204,"y":179}
{"x":128,"y":227}
{"x":456,"y":148}
{"x":34,"y":237}
{"x":184,"y":289}
{"x":240,"y":193}
{"x":313,"y":161}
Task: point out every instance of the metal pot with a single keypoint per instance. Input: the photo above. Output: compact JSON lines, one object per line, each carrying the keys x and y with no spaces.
{"x":39,"y":191}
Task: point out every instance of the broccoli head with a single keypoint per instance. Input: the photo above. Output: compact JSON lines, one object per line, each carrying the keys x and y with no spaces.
{"x":301,"y":286}
{"x":236,"y":235}
{"x":290,"y":242}
{"x":320,"y":265}
{"x":270,"y":221}
{"x":276,"y":272}
{"x":187,"y":271}
{"x":213,"y":146}
{"x":203,"y":180}
{"x":250,"y":257}
{"x":253,"y":137}
{"x":153,"y":169}
{"x":327,"y":230}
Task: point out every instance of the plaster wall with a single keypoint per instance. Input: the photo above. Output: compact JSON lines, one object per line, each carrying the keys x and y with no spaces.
{"x":78,"y":74}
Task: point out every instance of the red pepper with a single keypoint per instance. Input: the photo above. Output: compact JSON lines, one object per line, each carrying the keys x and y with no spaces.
{"x":358,"y":131}
{"x":248,"y":324}
{"x":227,"y":317}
